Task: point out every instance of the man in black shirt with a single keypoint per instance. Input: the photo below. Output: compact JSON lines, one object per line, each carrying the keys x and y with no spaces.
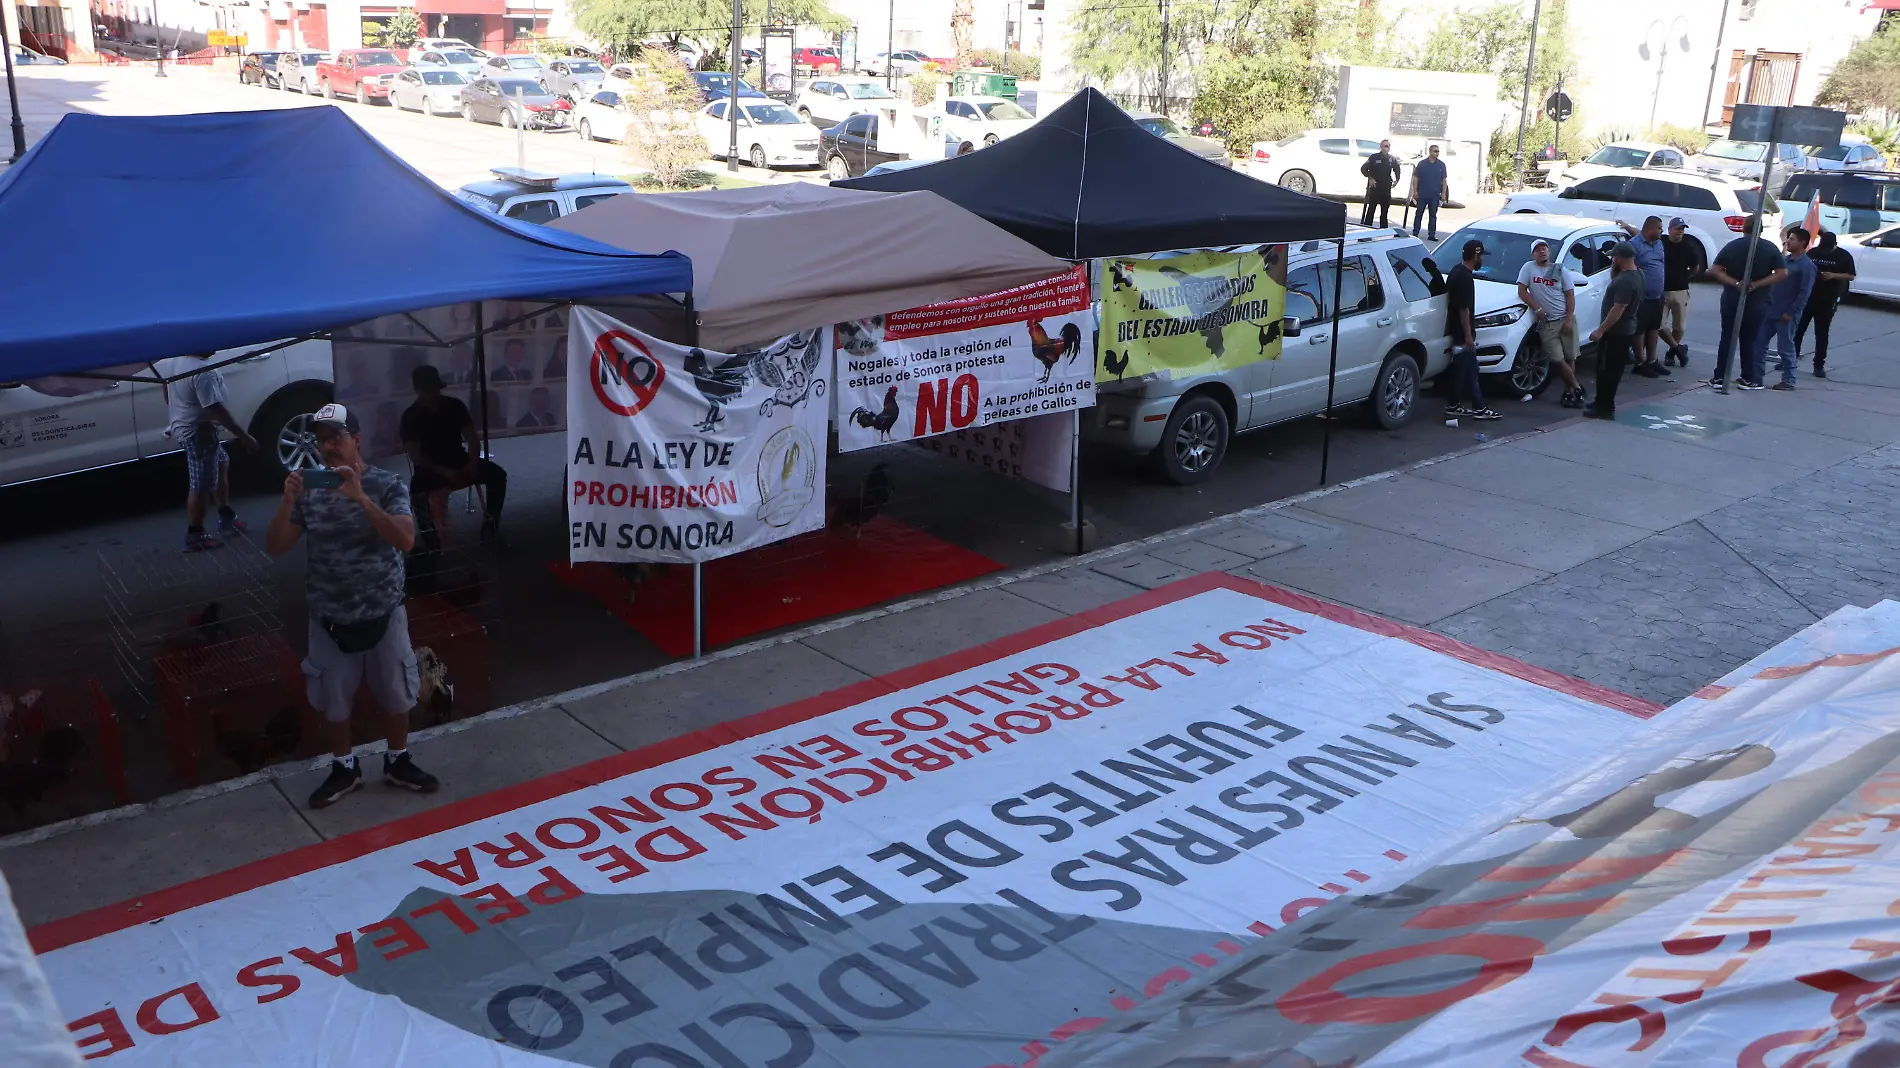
{"x":1381,"y":171}
{"x":1745,"y":304}
{"x":1682,"y":263}
{"x":1835,"y":269}
{"x":1467,"y":397}
{"x":446,"y":454}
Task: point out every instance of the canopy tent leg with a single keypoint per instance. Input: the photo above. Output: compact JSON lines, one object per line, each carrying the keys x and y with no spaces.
{"x":1332,"y":365}
{"x":481,"y":373}
{"x":1075,"y":479}
{"x":699,"y":584}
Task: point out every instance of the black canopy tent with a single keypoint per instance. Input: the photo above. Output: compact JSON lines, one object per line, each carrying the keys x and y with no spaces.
{"x":1087,"y":182}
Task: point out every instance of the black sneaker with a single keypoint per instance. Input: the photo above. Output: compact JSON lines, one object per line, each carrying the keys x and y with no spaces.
{"x":403,"y":772}
{"x":343,"y":779}
{"x":1820,"y":372}
{"x":1483,"y":414}
{"x":1662,"y":370}
{"x":1598,"y":413}
{"x":1745,"y":384}
{"x":1782,"y":385}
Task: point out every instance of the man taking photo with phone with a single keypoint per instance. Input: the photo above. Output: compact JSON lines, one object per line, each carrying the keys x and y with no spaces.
{"x":359,"y":525}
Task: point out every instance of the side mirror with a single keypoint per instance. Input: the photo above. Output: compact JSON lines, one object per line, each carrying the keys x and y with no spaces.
{"x":1569,"y":193}
{"x":1289,"y":327}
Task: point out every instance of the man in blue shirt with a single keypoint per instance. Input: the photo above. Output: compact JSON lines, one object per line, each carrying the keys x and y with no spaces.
{"x":1430,"y":188}
{"x":1648,"y":243}
{"x":1785,"y":302}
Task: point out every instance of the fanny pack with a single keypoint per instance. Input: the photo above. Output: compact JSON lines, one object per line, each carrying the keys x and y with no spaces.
{"x":358,"y":637}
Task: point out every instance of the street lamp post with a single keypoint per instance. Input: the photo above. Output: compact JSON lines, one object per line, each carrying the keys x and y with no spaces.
{"x":1662,"y":55}
{"x":13,"y":95}
{"x":1524,"y":109}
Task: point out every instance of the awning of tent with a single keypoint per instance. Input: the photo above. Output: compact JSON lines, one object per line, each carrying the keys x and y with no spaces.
{"x":1086,"y":181}
{"x":770,"y":260}
{"x":129,"y":239}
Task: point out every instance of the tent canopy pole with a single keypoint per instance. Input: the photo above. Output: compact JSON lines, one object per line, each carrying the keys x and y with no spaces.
{"x":1332,"y":364}
{"x":699,"y":584}
{"x":481,"y":373}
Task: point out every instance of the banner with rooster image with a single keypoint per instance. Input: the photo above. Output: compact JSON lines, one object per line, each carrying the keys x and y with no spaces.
{"x":966,"y":363}
{"x":1191,"y":315}
{"x":680,"y":455}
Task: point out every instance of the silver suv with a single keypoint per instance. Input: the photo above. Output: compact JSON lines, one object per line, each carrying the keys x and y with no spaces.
{"x":1391,"y":338}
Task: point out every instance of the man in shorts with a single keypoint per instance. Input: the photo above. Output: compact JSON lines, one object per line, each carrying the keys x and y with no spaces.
{"x":359,"y":525}
{"x":1550,"y":291}
{"x":194,"y":401}
{"x":1650,"y":256}
{"x":1683,"y":263}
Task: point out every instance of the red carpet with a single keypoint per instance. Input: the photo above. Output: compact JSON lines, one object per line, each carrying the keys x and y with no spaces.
{"x":809,"y":577}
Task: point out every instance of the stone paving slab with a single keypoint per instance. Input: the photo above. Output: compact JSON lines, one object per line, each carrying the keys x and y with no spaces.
{"x":1614,"y":496}
{"x":1787,"y":445}
{"x":1798,"y":409}
{"x":1148,"y":572}
{"x":1829,"y":540}
{"x":1200,"y":556}
{"x":1678,"y":463}
{"x":1248,"y":541}
{"x":904,"y":639}
{"x":1073,"y":590}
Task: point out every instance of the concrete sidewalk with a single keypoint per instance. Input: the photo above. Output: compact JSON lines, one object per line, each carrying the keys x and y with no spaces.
{"x":1649,"y":556}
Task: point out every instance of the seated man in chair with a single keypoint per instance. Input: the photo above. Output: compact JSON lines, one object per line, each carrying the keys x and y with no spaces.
{"x":442,"y":445}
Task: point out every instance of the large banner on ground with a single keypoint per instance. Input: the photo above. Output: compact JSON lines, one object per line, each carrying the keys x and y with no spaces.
{"x":1191,"y":315}
{"x":679,"y":455}
{"x":1218,"y":825}
{"x":975,"y":362}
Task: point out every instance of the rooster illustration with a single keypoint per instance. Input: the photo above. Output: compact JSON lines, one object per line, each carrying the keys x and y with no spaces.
{"x":717,"y":384}
{"x":1115,"y":362}
{"x":1049,"y":350}
{"x":1118,"y":276}
{"x":881,"y":421}
{"x":1204,"y":307}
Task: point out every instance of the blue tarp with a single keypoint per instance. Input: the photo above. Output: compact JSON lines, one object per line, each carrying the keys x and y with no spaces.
{"x":126,"y":239}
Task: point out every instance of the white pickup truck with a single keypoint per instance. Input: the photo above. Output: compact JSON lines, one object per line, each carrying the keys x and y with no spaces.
{"x":58,"y":426}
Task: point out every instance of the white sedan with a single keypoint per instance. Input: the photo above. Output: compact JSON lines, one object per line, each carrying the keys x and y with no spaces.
{"x":1619,"y":156}
{"x":985,"y":120}
{"x":770,"y":134}
{"x":603,"y":117}
{"x":1318,"y":163}
{"x":1877,"y":264}
{"x":432,"y":91}
{"x":826,"y":102}
{"x":448,"y":59}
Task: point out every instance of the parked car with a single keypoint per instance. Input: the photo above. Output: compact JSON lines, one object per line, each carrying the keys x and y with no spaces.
{"x":432,"y":91}
{"x":260,"y":69}
{"x":850,"y":148}
{"x":1510,"y":356}
{"x":985,"y":120}
{"x":1849,"y":155}
{"x":1318,"y":162}
{"x":1877,"y":264}
{"x":444,"y":44}
{"x":57,"y":426}
{"x":364,"y":73}
{"x":818,"y":59}
{"x":1620,"y":156}
{"x":1391,"y":338}
{"x":511,"y":100}
{"x":905,"y":61}
{"x":531,"y":196}
{"x":770,"y":134}
{"x":603,"y":117}
{"x":1742,"y":159}
{"x":455,"y":59}
{"x":830,"y":101}
{"x":1852,"y":202}
{"x":1716,"y":209}
{"x":1170,"y":131}
{"x":26,"y":57}
{"x":513,"y":65}
{"x":573,"y":77}
{"x":714,"y":84}
{"x":297,"y":71}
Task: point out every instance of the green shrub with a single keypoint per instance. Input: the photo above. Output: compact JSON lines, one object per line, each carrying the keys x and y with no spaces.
{"x":923,"y":87}
{"x":1011,"y":62}
{"x":1686,"y":138}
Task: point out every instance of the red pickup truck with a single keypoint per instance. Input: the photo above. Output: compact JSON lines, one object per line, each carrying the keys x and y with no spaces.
{"x":364,"y":73}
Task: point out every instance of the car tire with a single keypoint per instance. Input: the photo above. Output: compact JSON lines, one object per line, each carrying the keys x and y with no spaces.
{"x":989,"y":139}
{"x":507,"y":119}
{"x":585,"y":129}
{"x":468,"y":113}
{"x":757,"y":157}
{"x":805,"y":114}
{"x":1530,"y":370}
{"x":1395,"y":392}
{"x":329,"y":91}
{"x":837,"y":169}
{"x":1195,"y":440}
{"x":1298,"y":181}
{"x":281,"y":428}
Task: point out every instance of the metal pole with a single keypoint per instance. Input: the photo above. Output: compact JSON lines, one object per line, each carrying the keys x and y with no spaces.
{"x":890,"y":45}
{"x":481,"y":373}
{"x":1075,"y":479}
{"x":13,"y":96}
{"x":1524,"y":109}
{"x":1655,"y":96}
{"x":1708,"y":99}
{"x":1557,"y":142}
{"x":1162,"y":104}
{"x":1748,"y":262}
{"x":732,"y":120}
{"x":521,"y":134}
{"x":1332,"y":365}
{"x":699,"y":611}
{"x":158,"y":37}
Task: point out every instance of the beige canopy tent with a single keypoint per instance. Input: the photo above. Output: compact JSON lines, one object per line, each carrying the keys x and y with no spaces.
{"x":774,"y":259}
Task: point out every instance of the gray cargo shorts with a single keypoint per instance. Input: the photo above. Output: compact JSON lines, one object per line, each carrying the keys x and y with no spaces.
{"x":332,"y":676}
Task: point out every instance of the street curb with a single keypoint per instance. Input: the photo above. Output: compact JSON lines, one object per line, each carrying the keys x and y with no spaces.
{"x":278,"y":772}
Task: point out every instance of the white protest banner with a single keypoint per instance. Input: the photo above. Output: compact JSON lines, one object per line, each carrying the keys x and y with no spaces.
{"x":942,"y":367}
{"x":1040,"y":449}
{"x":680,"y":455}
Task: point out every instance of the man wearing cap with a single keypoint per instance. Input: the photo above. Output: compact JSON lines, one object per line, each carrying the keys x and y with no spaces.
{"x":1648,"y":244}
{"x":1622,"y":325}
{"x":1467,"y":396}
{"x":1550,"y":291}
{"x":1381,"y":171}
{"x":1785,"y":304}
{"x":1682,"y":264}
{"x":446,"y":453}
{"x":1744,"y":303}
{"x":359,"y":526}
{"x":1430,"y":188}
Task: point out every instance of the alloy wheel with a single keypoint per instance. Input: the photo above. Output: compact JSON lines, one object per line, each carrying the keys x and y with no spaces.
{"x":297,"y":443}
{"x":1398,"y":391}
{"x":1197,"y":442}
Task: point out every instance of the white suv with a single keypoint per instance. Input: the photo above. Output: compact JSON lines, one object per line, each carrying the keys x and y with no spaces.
{"x":1391,"y":338}
{"x":58,"y":426}
{"x":1716,"y":209}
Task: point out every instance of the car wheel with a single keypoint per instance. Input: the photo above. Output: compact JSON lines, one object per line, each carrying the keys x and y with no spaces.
{"x":285,"y":435}
{"x":836,"y":169}
{"x":586,"y":130}
{"x":1394,"y":392}
{"x":758,"y":156}
{"x":507,"y":119}
{"x":805,"y":114}
{"x":988,"y":140}
{"x":362,"y":95}
{"x":1298,"y":181}
{"x":468,"y":113}
{"x":1530,"y":371}
{"x":1194,"y":441}
{"x":329,"y":91}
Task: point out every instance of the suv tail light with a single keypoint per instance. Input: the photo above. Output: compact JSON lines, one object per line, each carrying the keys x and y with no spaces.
{"x":1735,"y":222}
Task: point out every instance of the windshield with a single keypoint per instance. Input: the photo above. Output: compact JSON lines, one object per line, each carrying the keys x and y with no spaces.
{"x":773,"y":115}
{"x":578,"y":67}
{"x":460,"y":59}
{"x":1160,"y":127}
{"x":479,"y":200}
{"x":1618,"y":156}
{"x":1836,"y":153}
{"x":520,"y":87}
{"x":1004,"y":111}
{"x":1746,"y":151}
{"x":523,"y":62}
{"x":1749,"y":199}
{"x":1505,"y":253}
{"x":377,"y":59}
{"x":868,"y":91}
{"x":442,"y":77}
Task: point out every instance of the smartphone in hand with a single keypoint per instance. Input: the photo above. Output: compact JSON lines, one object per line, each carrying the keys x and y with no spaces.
{"x":320,"y":478}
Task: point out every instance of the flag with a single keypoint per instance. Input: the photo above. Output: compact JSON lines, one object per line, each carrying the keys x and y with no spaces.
{"x":1812,"y":224}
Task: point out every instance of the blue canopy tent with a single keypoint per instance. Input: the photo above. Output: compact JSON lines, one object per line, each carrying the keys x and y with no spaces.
{"x":122,"y":240}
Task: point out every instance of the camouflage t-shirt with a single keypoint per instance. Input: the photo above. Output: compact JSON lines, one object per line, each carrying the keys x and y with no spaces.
{"x":352,"y":574}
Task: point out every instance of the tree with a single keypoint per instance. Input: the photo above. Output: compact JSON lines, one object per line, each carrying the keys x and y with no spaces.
{"x":961,"y":16}
{"x":401,"y":29}
{"x":661,"y":136}
{"x":1868,"y":77}
{"x":703,"y":22}
{"x":1492,"y":39}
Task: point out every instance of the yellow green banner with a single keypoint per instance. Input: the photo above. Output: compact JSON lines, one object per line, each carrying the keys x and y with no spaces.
{"x":1190,"y":315}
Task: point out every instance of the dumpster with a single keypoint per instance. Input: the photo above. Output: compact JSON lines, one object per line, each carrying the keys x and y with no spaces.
{"x":983,"y":83}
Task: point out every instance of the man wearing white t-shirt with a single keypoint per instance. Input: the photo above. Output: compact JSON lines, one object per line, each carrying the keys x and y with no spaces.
{"x":1549,"y":291}
{"x":194,"y":397}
